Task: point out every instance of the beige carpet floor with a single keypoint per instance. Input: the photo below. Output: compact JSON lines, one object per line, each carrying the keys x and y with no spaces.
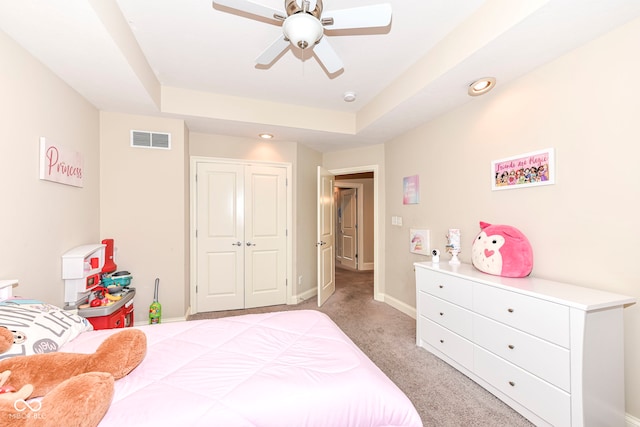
{"x":442,"y":395}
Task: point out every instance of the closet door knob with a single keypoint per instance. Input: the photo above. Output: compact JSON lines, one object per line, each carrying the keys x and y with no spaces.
{"x":236,"y":244}
{"x":250,"y":244}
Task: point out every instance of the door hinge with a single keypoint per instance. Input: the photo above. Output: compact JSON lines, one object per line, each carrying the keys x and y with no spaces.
{"x":196,"y":289}
{"x":196,"y":234}
{"x":286,"y":283}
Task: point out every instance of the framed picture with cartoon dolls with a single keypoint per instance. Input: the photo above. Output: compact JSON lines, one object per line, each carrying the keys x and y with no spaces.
{"x":524,"y":170}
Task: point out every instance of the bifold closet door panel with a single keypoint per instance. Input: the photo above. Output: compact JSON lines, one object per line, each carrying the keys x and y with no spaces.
{"x":266,"y":236}
{"x":220,"y":237}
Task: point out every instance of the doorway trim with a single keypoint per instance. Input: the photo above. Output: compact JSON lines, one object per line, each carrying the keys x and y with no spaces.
{"x":359,"y":187}
{"x":193,"y":196}
{"x":377,"y":294}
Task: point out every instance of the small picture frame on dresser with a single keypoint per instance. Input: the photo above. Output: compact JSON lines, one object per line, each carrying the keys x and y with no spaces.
{"x":419,"y":241}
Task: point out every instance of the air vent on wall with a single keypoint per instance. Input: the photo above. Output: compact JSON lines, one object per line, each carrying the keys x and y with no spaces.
{"x":145,"y":139}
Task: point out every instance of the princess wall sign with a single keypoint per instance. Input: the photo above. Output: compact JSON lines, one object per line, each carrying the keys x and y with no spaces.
{"x":524,"y":170}
{"x":59,"y":164}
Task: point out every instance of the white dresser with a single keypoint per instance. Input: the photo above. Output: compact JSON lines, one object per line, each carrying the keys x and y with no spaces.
{"x":554,"y":352}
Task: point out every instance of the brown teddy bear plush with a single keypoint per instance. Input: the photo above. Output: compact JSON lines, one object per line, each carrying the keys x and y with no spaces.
{"x":76,"y":389}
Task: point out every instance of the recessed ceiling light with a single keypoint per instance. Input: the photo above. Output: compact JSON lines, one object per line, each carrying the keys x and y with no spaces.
{"x":349,"y":96}
{"x":265,"y":135}
{"x":481,"y":86}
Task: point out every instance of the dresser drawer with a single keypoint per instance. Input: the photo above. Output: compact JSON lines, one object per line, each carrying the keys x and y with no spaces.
{"x":451,"y":316}
{"x":452,"y":345}
{"x":542,"y":358}
{"x":546,"y":401}
{"x":544,"y":319}
{"x":444,"y":286}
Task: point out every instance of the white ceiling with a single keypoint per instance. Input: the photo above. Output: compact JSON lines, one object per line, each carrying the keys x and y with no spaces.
{"x":130,"y":55}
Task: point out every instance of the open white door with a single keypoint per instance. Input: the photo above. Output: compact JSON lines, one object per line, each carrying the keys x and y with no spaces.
{"x":326,"y":236}
{"x":347,"y":229}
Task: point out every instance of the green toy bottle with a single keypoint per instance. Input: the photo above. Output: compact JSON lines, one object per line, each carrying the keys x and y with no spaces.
{"x":155,"y":309}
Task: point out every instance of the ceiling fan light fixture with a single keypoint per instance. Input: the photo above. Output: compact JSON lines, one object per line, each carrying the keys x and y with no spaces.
{"x":481,"y":86}
{"x":302,"y":29}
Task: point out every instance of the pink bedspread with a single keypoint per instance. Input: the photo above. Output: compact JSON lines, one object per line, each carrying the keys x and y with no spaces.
{"x":294,"y":368}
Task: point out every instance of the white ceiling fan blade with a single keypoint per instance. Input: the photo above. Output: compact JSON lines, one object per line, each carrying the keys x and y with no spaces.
{"x":251,"y":8}
{"x":327,"y":56}
{"x":272,"y":52}
{"x":358,"y":17}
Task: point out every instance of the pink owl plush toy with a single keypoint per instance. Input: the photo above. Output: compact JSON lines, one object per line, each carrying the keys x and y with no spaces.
{"x":502,"y":250}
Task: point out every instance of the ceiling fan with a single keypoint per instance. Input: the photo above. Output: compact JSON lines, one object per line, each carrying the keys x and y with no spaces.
{"x":303,"y":26}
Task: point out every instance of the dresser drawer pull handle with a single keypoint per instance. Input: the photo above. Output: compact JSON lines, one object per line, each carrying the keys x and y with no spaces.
{"x":441,"y":286}
{"x":510,"y":310}
{"x":511,"y":346}
{"x":441,"y":341}
{"x":512,"y":384}
{"x":441,"y":314}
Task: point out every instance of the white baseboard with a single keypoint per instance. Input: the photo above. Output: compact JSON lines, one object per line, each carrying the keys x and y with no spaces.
{"x":631,"y":421}
{"x":366,"y":266}
{"x":311,"y":293}
{"x":399,"y":305}
{"x":164,"y":320}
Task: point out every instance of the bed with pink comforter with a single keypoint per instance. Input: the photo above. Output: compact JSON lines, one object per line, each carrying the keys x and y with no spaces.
{"x":294,"y":368}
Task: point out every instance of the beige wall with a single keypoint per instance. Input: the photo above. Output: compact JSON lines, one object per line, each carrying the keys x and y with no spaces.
{"x":584,"y":228}
{"x":41,"y":220}
{"x":144,"y":208}
{"x":232,"y":147}
{"x":305,"y":162}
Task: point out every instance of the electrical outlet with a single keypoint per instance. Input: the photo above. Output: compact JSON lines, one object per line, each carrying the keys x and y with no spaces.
{"x":300,"y":280}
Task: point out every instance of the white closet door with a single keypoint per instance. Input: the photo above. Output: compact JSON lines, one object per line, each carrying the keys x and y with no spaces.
{"x":220,"y":237}
{"x":241,"y":259}
{"x":265,"y":234}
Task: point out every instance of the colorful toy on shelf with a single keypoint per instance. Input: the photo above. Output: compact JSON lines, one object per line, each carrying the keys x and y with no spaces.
{"x":453,"y":245}
{"x":109,"y":264}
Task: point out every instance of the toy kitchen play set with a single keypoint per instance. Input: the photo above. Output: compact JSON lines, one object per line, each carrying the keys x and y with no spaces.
{"x":94,"y":288}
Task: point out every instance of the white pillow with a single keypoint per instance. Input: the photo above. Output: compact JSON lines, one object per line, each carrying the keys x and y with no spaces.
{"x":38,"y":327}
